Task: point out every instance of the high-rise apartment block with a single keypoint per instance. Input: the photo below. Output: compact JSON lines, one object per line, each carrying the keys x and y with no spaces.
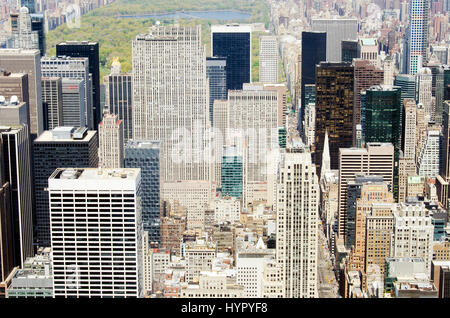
{"x":110,"y":134}
{"x":97,"y":202}
{"x":60,"y":147}
{"x":416,"y":36}
{"x":234,"y":42}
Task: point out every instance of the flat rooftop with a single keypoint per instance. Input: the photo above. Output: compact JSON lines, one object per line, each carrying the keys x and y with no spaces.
{"x":96,"y":174}
{"x":47,"y":136}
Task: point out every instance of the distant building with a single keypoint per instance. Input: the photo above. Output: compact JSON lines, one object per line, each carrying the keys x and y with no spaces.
{"x":110,"y":133}
{"x":216,"y":72}
{"x":268,"y":59}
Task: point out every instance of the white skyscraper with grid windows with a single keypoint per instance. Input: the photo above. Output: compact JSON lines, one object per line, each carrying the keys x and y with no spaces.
{"x":171,"y":100}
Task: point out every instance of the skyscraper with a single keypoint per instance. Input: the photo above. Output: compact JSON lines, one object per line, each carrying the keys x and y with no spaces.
{"x":146,"y":156}
{"x":349,"y":50}
{"x":52,"y":102}
{"x":72,"y":70}
{"x":216,"y":72}
{"x":334,"y":109}
{"x":297,"y":214}
{"x":428,"y":162}
{"x":268,"y":59}
{"x":314,"y":51}
{"x":15,"y":84}
{"x":416,"y":36}
{"x":91,"y":51}
{"x":231,"y":175}
{"x":73,"y":102}
{"x":233,"y":41}
{"x":60,"y":147}
{"x":27,"y":61}
{"x":16,"y":165}
{"x":38,"y":25}
{"x":407,"y":84}
{"x":377,"y":159}
{"x":119,"y":96}
{"x":366,"y":75}
{"x":424,"y":92}
{"x":110,"y":133}
{"x":24,"y":37}
{"x":108,"y":201}
{"x":409,"y":129}
{"x":337,"y":29}
{"x":170,"y":101}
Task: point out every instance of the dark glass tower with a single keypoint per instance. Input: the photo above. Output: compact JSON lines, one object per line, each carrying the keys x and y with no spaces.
{"x":91,"y":51}
{"x":334,"y":110}
{"x":38,"y":24}
{"x":216,"y":72}
{"x":314,"y":51}
{"x":407,"y":83}
{"x":382,"y":113}
{"x":349,"y":50}
{"x":145,"y":155}
{"x":234,"y":43}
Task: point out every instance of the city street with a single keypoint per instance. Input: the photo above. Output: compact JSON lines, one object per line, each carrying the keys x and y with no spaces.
{"x":328,"y":287}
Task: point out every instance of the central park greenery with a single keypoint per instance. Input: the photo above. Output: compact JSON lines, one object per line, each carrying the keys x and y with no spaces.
{"x":115,"y":34}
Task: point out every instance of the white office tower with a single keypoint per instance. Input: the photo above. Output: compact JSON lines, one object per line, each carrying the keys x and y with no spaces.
{"x":297,"y":218}
{"x":110,"y":152}
{"x":310,"y":123}
{"x":388,"y":64}
{"x":268,"y":59}
{"x":413,"y":232}
{"x":409,"y":138}
{"x":416,"y":36}
{"x":424,"y":80}
{"x":368,"y":50}
{"x":96,"y":233}
{"x":428,"y":161}
{"x":170,"y":99}
{"x":253,"y":117}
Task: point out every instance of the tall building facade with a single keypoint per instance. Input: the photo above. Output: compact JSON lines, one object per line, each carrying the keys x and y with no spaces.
{"x":60,"y":147}
{"x":216,"y":72}
{"x":91,"y":51}
{"x":366,"y":76}
{"x":337,"y":30}
{"x":407,"y":84}
{"x":119,"y":98}
{"x":27,"y":61}
{"x":110,"y":133}
{"x":52,"y":102}
{"x":416,"y":36}
{"x":116,"y":263}
{"x":349,"y":50}
{"x":424,"y":84}
{"x":297,"y":213}
{"x":409,"y":131}
{"x":268,"y":59}
{"x":377,"y":159}
{"x":231,"y":173}
{"x":334,"y":109}
{"x":73,"y":102}
{"x":234,"y":42}
{"x":170,"y":100}
{"x":146,"y":156}
{"x":72,"y":71}
{"x":314,"y":51}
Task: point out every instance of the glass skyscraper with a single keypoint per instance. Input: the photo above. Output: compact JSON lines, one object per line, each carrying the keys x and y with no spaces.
{"x":234,"y":43}
{"x":216,"y":72}
{"x":145,"y":155}
{"x":231,"y":173}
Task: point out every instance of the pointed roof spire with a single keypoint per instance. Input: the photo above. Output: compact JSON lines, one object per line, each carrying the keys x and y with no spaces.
{"x":325,"y":167}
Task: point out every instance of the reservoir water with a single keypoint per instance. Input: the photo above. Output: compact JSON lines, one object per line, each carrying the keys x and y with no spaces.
{"x":207,"y":15}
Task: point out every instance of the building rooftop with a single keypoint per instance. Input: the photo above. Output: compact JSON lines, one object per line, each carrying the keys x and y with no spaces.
{"x":95,"y":174}
{"x":66,"y":134}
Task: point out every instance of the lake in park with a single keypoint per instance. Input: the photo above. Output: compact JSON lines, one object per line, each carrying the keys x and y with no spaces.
{"x":207,"y":15}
